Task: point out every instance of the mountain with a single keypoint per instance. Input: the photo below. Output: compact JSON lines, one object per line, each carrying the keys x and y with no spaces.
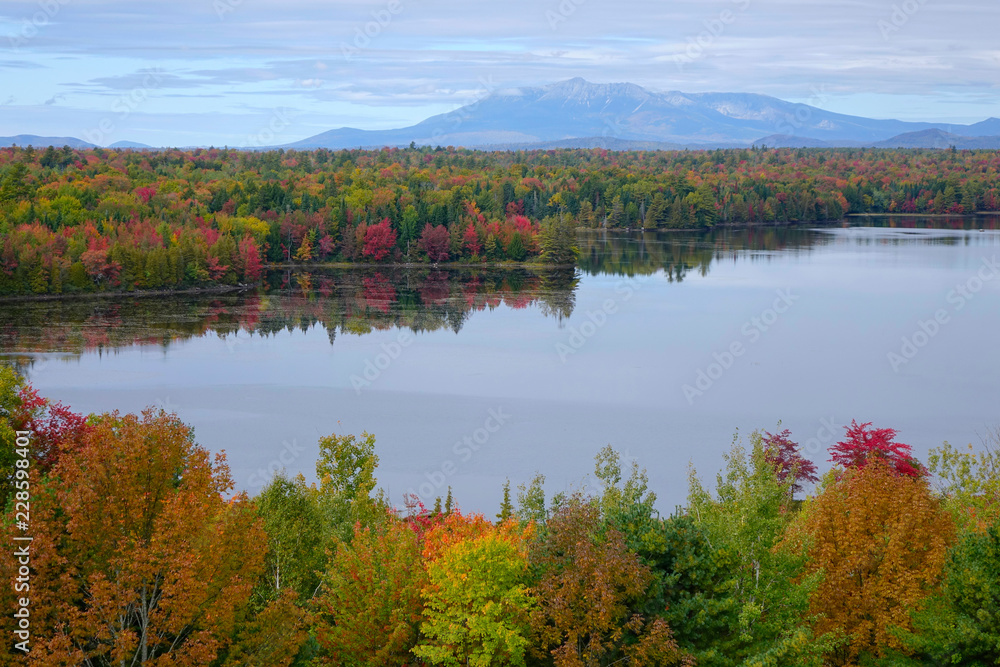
{"x":577,"y":110}
{"x":129,"y":144}
{"x":43,"y":142}
{"x":938,"y":139}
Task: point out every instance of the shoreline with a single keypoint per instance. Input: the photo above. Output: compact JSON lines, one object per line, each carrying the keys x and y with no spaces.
{"x":525,"y":265}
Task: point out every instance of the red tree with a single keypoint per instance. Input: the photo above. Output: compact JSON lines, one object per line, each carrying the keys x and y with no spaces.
{"x":434,"y":241}
{"x":471,"y":240}
{"x":785,"y":456}
{"x":865,"y":444}
{"x":253,"y":268}
{"x":379,"y":241}
{"x":55,"y":427}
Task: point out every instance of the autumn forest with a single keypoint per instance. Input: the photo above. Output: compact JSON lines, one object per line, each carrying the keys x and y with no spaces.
{"x":142,"y":553}
{"x":75,"y":221}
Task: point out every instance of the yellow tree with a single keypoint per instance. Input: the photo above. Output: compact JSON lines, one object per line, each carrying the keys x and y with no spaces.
{"x":881,"y":540}
{"x":138,"y":557}
{"x":477,"y":599}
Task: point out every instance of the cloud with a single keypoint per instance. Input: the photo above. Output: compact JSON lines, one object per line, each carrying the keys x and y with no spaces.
{"x":419,"y":57}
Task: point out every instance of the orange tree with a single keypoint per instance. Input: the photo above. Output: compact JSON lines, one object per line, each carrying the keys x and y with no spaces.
{"x":369,"y":608}
{"x":590,"y":587}
{"x":881,"y":540}
{"x":138,"y":558}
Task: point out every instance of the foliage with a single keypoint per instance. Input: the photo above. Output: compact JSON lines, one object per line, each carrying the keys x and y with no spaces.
{"x":746,"y":521}
{"x":380,"y":239}
{"x":880,"y":539}
{"x":98,"y":220}
{"x":370,"y":606}
{"x":296,"y":543}
{"x":434,"y":241}
{"x":590,"y":587}
{"x":787,"y":459}
{"x":961,"y":624}
{"x":558,"y":241}
{"x":137,"y":557}
{"x":864,"y":445}
{"x":54,"y":428}
{"x":969,"y":482}
{"x":477,"y":601}
{"x":346,"y":473}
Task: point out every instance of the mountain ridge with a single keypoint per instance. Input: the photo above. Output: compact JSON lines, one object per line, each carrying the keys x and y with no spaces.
{"x":576,"y":113}
{"x":575,"y":109}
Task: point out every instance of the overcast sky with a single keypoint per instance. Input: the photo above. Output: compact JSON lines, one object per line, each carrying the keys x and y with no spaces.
{"x":222,"y":72}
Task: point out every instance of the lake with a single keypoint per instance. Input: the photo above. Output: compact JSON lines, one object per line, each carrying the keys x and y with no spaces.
{"x":662,"y":345}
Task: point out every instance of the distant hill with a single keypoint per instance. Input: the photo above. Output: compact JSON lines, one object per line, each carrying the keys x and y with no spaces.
{"x":129,"y":144}
{"x":576,"y":111}
{"x":938,"y":139}
{"x":43,"y":142}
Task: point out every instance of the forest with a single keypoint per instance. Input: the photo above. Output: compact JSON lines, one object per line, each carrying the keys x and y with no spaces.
{"x":76,"y":221}
{"x":143,"y":553}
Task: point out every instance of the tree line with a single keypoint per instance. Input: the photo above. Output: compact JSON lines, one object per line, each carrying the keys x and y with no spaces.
{"x":143,"y":553}
{"x":90,"y":220}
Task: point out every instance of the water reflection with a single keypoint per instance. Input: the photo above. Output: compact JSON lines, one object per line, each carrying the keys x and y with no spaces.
{"x":677,"y":253}
{"x":360,"y":301}
{"x":345,"y":302}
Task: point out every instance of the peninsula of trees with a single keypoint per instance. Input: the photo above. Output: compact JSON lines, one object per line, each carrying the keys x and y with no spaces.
{"x":94,"y":220}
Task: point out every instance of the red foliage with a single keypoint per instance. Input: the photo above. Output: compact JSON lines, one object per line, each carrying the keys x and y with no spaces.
{"x":434,"y":241}
{"x":785,"y":456}
{"x":55,"y":427}
{"x":145,"y":193}
{"x":865,"y":445}
{"x":379,"y":241}
{"x":471,"y":240}
{"x":215,"y":269}
{"x":326,"y":245}
{"x":379,"y":292}
{"x":253,"y":268}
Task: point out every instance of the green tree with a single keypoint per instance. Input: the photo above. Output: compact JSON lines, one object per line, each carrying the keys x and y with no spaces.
{"x":969,"y":481}
{"x":478,"y":603}
{"x":961,"y":624}
{"x":346,"y":492}
{"x":558,"y":241}
{"x":747,"y":518}
{"x":293,"y":524}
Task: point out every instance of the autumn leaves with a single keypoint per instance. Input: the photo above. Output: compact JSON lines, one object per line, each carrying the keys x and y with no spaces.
{"x":142,"y":555}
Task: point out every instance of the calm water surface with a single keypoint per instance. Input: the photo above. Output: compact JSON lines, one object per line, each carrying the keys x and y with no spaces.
{"x":469,"y":378}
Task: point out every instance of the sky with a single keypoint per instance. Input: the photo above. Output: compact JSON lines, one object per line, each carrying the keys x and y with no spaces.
{"x":266,"y":72}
